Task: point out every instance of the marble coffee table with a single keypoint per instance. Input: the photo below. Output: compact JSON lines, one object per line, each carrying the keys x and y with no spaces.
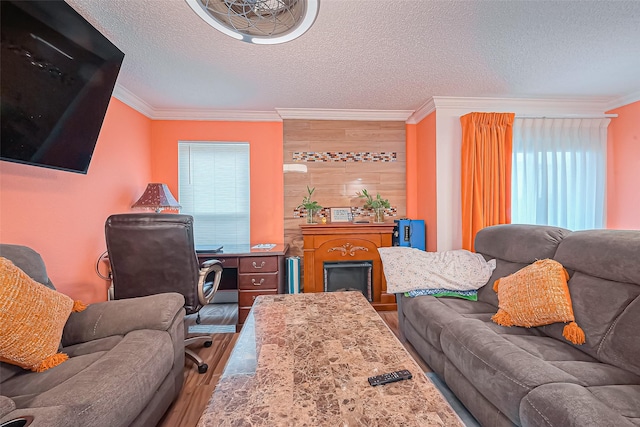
{"x":304,"y":360}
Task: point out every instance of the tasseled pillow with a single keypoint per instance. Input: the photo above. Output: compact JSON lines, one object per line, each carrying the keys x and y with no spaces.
{"x":32,"y":318}
{"x":537,"y":295}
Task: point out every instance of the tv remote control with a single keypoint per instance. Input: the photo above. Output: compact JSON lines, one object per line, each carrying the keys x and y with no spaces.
{"x":390,"y":377}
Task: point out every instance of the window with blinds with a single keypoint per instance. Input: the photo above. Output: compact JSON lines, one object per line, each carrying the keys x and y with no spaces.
{"x":213,"y":187}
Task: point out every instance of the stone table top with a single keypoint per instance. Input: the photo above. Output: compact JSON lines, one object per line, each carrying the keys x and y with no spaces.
{"x":304,"y":360}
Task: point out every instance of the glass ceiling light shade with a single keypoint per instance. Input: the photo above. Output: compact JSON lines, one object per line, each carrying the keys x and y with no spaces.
{"x":258,"y":21}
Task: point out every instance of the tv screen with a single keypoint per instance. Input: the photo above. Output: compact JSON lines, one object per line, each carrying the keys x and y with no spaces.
{"x":57,"y":76}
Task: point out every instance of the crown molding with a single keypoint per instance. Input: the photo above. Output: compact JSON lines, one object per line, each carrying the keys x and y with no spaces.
{"x":521,"y":106}
{"x":344,"y":114}
{"x":623,"y":100}
{"x":125,"y":95}
{"x":423,"y":111}
{"x":216,"y":115}
{"x":133,"y":101}
{"x":580,"y":105}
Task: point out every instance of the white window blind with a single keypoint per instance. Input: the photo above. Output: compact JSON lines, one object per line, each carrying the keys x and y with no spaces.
{"x":559,"y":172}
{"x":213,"y":187}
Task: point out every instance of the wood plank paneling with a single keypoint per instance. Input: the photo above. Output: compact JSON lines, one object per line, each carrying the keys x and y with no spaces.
{"x":337,"y":182}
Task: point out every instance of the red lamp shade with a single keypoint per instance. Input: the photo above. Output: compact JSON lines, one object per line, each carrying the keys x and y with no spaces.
{"x":158,"y":197}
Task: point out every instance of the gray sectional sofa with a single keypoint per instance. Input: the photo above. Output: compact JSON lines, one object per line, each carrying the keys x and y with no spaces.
{"x":125,"y":367}
{"x":533,"y":376}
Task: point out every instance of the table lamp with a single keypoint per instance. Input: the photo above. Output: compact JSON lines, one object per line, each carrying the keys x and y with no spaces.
{"x":158,"y":197}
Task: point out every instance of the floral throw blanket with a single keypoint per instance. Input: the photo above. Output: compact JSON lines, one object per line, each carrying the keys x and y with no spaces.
{"x":408,"y":269}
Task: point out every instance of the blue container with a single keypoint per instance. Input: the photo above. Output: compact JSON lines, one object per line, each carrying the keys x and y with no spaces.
{"x":410,"y":232}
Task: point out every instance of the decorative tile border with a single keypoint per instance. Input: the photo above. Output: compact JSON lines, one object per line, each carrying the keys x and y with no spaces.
{"x":357,"y":212}
{"x":339,"y":156}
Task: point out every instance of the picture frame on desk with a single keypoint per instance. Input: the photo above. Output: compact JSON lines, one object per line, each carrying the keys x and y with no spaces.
{"x":340,"y":214}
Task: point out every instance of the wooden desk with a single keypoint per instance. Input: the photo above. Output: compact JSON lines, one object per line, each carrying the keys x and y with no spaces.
{"x":252,"y":272}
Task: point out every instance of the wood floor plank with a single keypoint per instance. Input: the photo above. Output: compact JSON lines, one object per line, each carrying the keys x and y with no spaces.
{"x":197,"y":389}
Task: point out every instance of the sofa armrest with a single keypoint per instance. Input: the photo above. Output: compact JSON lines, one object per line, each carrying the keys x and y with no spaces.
{"x":119,"y":317}
{"x":6,"y":405}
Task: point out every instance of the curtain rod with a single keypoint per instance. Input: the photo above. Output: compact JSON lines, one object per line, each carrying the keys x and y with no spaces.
{"x":568,"y":116}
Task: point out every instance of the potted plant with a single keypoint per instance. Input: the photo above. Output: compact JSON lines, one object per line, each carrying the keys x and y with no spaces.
{"x":378,"y":204}
{"x":312,"y":207}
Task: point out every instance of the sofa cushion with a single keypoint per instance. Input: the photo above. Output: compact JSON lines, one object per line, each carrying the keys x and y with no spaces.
{"x":27,"y":260}
{"x":498,"y":367}
{"x":24,"y":388}
{"x":537,"y":295}
{"x":503,"y":269}
{"x":594,"y":373}
{"x":571,"y":405}
{"x":135,"y":368}
{"x":428,"y":315}
{"x":32,"y":318}
{"x":608,"y":254}
{"x":605,"y":289}
{"x":533,"y":242}
{"x":519,"y":243}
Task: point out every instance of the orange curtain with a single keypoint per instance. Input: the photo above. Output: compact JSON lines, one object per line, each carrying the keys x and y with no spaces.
{"x":486,"y":172}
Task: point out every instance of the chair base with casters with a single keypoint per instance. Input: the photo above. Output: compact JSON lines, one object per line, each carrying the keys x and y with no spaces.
{"x":152,"y":253}
{"x":193,"y":356}
{"x":206,"y":290}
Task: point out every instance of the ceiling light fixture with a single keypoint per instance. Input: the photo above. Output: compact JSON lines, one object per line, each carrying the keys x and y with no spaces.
{"x":258,"y":21}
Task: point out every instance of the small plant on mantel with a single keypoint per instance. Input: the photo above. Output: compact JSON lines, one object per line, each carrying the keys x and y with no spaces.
{"x":378,"y":204}
{"x":311,"y":206}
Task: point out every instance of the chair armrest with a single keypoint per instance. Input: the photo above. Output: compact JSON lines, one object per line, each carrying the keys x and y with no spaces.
{"x":210,"y":262}
{"x":119,"y":317}
{"x":211,"y":266}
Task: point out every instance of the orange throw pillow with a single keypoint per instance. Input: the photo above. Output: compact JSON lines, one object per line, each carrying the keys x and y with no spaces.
{"x":537,"y":295}
{"x":32,"y":318}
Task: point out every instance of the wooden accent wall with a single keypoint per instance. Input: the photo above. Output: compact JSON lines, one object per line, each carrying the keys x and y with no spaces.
{"x":336,"y":183}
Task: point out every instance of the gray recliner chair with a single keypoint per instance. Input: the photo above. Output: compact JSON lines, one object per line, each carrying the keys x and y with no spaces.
{"x":153,"y":253}
{"x":125,"y":366}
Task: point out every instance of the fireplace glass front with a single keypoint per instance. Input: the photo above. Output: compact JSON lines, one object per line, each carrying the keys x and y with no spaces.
{"x":348,"y":276}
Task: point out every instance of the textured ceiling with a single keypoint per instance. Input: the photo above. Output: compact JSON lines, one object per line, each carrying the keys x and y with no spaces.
{"x":377,"y":54}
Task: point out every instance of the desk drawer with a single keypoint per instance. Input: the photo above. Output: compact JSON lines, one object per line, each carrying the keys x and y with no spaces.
{"x":227,"y":262}
{"x":258,"y":264}
{"x":256,"y":282}
{"x":246,"y":299}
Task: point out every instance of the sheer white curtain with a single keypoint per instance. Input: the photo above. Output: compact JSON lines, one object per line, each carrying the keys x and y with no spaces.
{"x":559,"y":172}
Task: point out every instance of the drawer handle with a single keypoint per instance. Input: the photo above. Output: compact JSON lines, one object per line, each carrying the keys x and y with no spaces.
{"x":257,"y":284}
{"x":253,"y":298}
{"x":256,"y":265}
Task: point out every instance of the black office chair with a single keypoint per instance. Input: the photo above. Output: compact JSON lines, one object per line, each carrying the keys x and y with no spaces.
{"x":152,"y":253}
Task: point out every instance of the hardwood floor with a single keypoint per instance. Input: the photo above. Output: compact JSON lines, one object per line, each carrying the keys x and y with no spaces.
{"x":219,"y":320}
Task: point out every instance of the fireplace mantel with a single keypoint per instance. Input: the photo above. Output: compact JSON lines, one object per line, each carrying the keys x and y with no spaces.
{"x":347,"y":242}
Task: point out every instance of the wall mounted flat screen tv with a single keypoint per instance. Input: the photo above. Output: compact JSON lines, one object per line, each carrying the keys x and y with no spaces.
{"x":57,"y":76}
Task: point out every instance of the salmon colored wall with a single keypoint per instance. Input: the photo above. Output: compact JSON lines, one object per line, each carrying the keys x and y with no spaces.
{"x":623,"y":166}
{"x":61,"y":215}
{"x":425,"y":155}
{"x":265,"y":151}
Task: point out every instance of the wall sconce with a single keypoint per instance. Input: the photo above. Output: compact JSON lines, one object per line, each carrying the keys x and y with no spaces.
{"x":294,"y":167}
